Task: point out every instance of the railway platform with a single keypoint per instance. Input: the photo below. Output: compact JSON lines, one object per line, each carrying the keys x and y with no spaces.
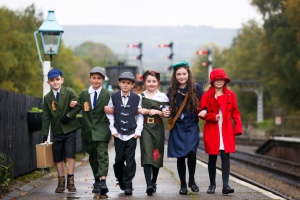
{"x":168,"y":185}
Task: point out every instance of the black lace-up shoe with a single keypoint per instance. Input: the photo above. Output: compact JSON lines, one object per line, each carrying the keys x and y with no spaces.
{"x":227,"y":189}
{"x":103,"y":188}
{"x":211,"y":189}
{"x":194,"y":187}
{"x":150,"y":190}
{"x":96,"y":188}
{"x":183,"y":191}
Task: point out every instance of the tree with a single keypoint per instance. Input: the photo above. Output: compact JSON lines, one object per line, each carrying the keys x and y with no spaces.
{"x":21,"y":70}
{"x":280,"y":55}
{"x":18,"y":63}
{"x":242,"y":63}
{"x":200,"y":72}
{"x":95,"y":54}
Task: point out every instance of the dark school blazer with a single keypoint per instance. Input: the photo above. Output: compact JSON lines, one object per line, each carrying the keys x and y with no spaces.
{"x":95,"y":125}
{"x":53,"y":111}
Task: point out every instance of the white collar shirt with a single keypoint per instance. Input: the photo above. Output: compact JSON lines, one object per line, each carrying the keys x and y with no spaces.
{"x":92,"y":94}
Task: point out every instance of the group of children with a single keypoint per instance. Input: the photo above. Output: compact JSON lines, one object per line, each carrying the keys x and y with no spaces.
{"x":128,"y":116}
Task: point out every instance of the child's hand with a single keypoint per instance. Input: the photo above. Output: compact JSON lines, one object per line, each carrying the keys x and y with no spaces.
{"x":217,"y":117}
{"x":202,"y":113}
{"x":65,"y":119}
{"x":73,"y":104}
{"x":166,"y":112}
{"x":115,"y":135}
{"x":143,"y":111}
{"x":45,"y":138}
{"x":152,"y":112}
{"x":109,"y":110}
{"x":136,"y":136}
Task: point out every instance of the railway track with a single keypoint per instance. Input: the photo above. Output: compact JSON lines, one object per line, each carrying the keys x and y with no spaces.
{"x":252,"y":168}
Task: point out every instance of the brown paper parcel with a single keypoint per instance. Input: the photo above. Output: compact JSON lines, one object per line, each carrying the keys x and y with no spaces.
{"x":44,"y":155}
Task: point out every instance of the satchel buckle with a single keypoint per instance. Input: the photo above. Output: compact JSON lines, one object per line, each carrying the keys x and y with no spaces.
{"x":150,"y":120}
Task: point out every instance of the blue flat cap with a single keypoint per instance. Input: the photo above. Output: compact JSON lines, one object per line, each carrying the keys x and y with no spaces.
{"x":54,"y":73}
{"x":127,"y":75}
{"x":180,"y":64}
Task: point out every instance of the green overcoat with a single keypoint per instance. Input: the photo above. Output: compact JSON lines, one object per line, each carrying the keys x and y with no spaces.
{"x":53,"y":111}
{"x":95,"y":126}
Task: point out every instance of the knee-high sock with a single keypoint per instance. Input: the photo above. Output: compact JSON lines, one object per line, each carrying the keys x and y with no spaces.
{"x":191,"y":162}
{"x":225,"y":167}
{"x":212,"y":160}
{"x":181,"y":170}
{"x":155,"y":171}
{"x":148,"y":172}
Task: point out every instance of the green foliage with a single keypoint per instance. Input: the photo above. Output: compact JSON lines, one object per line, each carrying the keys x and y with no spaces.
{"x":21,"y":70}
{"x":5,"y":173}
{"x":95,"y":54}
{"x":242,"y":63}
{"x":18,"y":52}
{"x":266,"y":124}
{"x":90,"y":55}
{"x":280,"y":55}
{"x":79,"y":115}
{"x":36,"y":109}
{"x":201,"y":72}
{"x":269,"y":54}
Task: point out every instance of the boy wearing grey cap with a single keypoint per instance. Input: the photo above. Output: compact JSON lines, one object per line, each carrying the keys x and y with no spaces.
{"x":95,"y":128}
{"x":63,"y":128}
{"x":126,"y":129}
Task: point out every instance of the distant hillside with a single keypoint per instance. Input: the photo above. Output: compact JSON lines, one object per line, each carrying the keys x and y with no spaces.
{"x":186,"y":39}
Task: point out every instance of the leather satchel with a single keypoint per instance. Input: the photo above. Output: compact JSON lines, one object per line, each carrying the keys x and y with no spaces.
{"x":171,"y":121}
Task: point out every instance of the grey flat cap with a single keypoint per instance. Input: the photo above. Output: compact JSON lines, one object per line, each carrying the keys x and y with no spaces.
{"x":98,"y":70}
{"x":127,"y":75}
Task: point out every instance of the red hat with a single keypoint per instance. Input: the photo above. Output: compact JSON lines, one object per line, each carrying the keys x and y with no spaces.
{"x":218,"y":73}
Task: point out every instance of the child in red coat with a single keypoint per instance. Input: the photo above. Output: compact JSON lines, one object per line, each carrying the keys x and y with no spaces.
{"x":219,"y":109}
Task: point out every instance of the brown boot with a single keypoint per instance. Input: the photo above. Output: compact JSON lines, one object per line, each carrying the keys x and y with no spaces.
{"x":70,"y":184}
{"x":61,"y":184}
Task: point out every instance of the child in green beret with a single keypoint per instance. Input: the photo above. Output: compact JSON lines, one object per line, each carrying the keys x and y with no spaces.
{"x":184,"y":136}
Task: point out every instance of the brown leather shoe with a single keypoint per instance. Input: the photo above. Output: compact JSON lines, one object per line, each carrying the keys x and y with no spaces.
{"x":61,"y":184}
{"x":70,"y":184}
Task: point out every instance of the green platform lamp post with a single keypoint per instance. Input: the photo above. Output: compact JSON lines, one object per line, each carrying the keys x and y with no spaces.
{"x":51,"y":33}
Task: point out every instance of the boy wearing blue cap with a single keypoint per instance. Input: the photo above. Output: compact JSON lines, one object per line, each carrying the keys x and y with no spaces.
{"x":63,"y":128}
{"x":95,"y":129}
{"x":126,"y":129}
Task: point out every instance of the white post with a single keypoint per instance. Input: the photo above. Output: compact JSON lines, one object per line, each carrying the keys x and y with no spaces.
{"x":210,"y":60}
{"x":260,"y":107}
{"x":209,"y":70}
{"x":46,"y":69}
{"x":46,"y":86}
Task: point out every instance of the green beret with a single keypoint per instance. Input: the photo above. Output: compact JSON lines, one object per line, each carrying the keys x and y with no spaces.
{"x":180,"y":64}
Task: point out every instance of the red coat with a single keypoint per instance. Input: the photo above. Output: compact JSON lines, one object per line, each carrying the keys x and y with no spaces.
{"x":231,"y":126}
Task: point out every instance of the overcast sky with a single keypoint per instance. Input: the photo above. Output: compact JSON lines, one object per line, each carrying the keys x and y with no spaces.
{"x":215,"y":13}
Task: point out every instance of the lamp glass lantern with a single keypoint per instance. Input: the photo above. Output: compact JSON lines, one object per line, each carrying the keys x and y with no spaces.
{"x":51,"y":42}
{"x":51,"y":33}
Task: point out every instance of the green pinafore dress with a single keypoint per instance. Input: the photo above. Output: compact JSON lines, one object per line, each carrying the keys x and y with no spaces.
{"x":153,"y":135}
